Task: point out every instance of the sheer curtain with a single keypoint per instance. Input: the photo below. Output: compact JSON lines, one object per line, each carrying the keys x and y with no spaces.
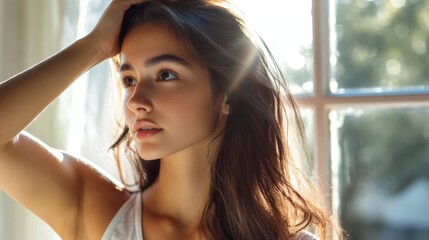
{"x":30,"y":32}
{"x":91,"y":131}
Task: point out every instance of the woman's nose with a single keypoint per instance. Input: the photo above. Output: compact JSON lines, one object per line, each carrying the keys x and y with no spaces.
{"x":140,"y":100}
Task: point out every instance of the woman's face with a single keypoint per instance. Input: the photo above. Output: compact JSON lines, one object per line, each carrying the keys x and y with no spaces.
{"x":167,"y":97}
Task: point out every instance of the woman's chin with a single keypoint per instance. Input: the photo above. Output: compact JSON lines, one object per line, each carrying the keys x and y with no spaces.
{"x":148,"y":157}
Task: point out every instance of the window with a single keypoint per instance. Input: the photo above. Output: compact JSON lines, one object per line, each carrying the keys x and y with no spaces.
{"x":359,"y":70}
{"x":378,"y":110}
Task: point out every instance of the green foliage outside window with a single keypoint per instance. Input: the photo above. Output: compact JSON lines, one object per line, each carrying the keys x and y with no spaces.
{"x":384,"y":153}
{"x":382,"y":43}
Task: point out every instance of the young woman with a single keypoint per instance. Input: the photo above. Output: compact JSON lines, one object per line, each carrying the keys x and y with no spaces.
{"x":203,"y":110}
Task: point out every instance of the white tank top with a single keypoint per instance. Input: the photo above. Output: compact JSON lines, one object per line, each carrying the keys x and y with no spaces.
{"x":127,"y":224}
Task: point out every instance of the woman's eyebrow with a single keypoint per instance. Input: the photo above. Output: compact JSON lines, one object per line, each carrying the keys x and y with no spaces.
{"x":157,"y":60}
{"x":166,"y":58}
{"x":125,"y":67}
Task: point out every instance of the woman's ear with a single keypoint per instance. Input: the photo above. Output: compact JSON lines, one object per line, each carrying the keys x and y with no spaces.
{"x":225,"y":106}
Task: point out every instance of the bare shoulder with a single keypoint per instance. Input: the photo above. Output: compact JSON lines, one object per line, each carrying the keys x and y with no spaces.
{"x":102,"y":196}
{"x":68,"y":192}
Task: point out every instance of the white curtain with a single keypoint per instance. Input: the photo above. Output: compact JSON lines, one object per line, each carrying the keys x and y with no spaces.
{"x":81,"y":120}
{"x":30,"y":32}
{"x":91,"y":129}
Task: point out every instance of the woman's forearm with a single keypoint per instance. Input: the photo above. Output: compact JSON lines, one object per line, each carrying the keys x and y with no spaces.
{"x":27,"y":94}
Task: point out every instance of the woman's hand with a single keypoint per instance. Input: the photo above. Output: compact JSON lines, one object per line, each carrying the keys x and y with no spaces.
{"x":33,"y":90}
{"x":106,"y":33}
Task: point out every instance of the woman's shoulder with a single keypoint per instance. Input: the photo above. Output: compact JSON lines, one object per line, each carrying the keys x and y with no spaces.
{"x":305,"y":235}
{"x":102,"y":195}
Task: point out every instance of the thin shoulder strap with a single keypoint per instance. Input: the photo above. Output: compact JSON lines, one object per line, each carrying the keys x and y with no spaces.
{"x":138,"y":216}
{"x":117,"y":218}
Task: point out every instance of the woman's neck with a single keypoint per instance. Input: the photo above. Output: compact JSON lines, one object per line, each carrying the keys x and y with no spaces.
{"x":180,"y":192}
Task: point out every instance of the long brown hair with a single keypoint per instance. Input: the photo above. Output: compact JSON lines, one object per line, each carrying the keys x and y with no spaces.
{"x":252,"y":195}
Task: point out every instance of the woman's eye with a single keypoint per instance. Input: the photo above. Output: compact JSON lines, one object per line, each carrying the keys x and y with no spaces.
{"x":128,"y":81}
{"x":165,"y":75}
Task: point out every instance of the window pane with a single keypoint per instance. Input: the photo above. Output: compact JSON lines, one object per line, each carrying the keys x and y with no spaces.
{"x":380,"y":46}
{"x":287,"y":30}
{"x":380,"y":166}
{"x":308,"y":120}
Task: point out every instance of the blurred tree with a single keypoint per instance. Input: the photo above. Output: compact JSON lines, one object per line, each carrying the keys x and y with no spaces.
{"x":382,"y":43}
{"x":388,"y":148}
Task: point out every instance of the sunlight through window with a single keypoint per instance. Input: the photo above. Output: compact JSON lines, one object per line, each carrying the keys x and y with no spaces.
{"x":286,"y":27}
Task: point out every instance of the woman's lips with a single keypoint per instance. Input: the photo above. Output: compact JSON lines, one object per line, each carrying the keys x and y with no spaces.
{"x":144,"y":124}
{"x":146,"y":133}
{"x":145,"y":128}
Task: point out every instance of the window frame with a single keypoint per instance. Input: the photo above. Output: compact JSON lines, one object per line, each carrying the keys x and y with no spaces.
{"x":322,"y":101}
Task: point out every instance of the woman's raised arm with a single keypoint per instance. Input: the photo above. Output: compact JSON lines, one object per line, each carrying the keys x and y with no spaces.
{"x":53,"y":185}
{"x":25,"y":95}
